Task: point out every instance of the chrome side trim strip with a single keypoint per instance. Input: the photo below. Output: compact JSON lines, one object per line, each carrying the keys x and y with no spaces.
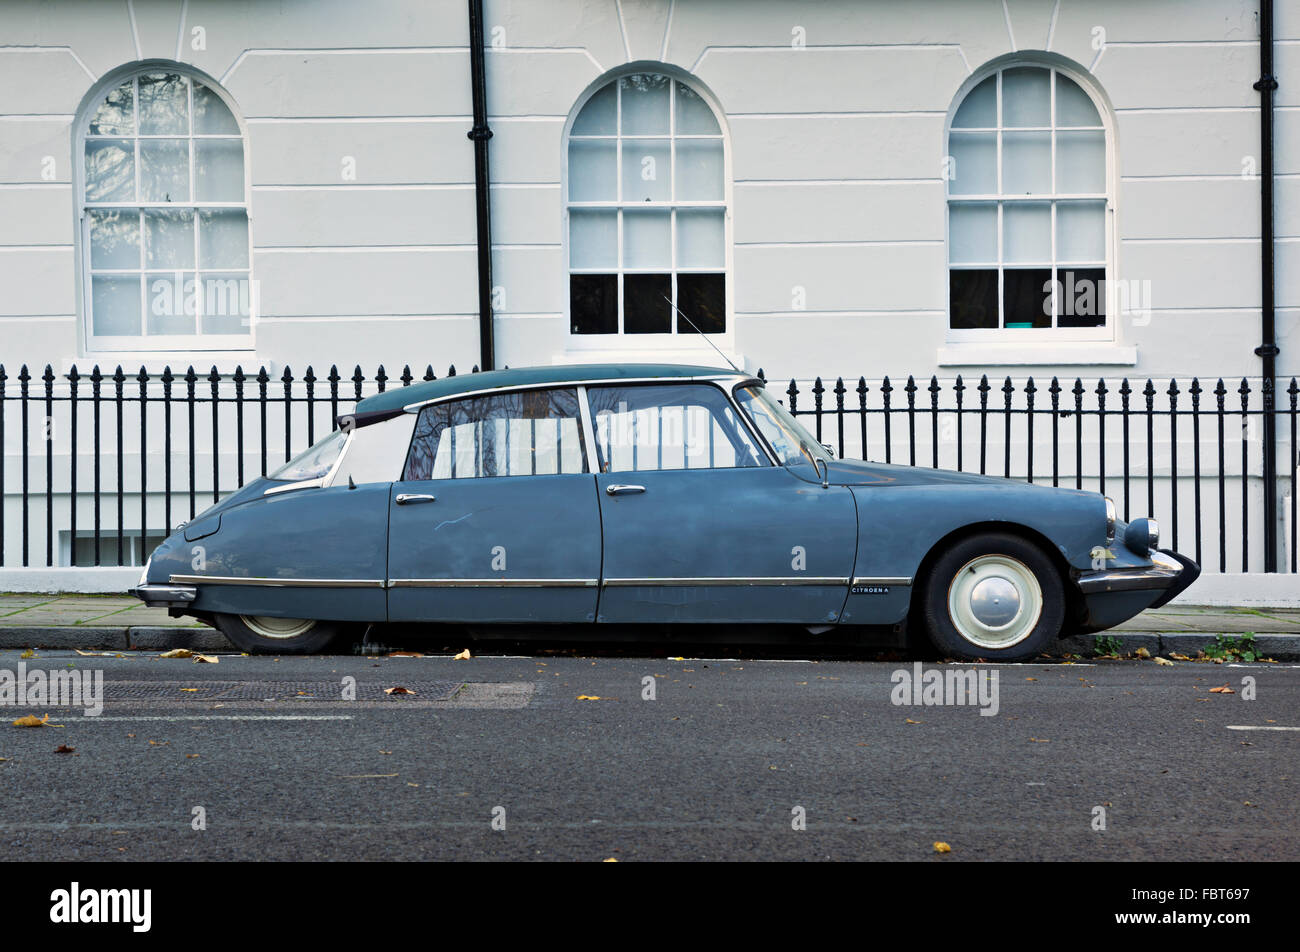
{"x":684,"y":582}
{"x":493,"y":583}
{"x":301,"y":484}
{"x":866,"y":580}
{"x":583,"y":381}
{"x":279,"y":582}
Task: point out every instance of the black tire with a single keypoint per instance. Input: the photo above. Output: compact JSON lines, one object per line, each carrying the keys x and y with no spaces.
{"x":981,"y":554}
{"x":319,"y":636}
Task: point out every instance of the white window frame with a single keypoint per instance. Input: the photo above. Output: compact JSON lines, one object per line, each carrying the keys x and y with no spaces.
{"x":1108,"y":332}
{"x":155,"y":345}
{"x":672,"y":341}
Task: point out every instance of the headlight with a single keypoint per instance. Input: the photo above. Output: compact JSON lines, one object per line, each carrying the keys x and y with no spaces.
{"x":1110,"y":520}
{"x":1142,"y":535}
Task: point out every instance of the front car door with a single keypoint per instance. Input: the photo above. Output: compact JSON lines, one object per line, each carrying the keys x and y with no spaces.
{"x":700,"y":525}
{"x":495,"y":517}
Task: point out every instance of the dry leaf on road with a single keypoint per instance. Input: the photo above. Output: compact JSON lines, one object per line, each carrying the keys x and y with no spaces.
{"x":1223,"y":690}
{"x":398,"y":690}
{"x":1160,"y":660}
{"x":64,"y":749}
{"x":205,"y":659}
{"x":463,"y":656}
{"x":941,"y":847}
{"x":177,"y":653}
{"x":31,"y":720}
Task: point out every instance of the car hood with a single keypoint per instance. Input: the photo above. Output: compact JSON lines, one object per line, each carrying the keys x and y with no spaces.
{"x":848,"y":472}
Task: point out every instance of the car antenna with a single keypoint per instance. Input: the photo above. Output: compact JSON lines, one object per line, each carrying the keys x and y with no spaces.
{"x":351,"y":484}
{"x":701,"y":333}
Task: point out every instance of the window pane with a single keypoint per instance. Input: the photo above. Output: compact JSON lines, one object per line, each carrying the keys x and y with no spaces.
{"x":699,"y":170}
{"x":1080,"y":162}
{"x":164,"y":170}
{"x":593,"y":239}
{"x":227,"y":303}
{"x":211,"y":115}
{"x":171,"y":302}
{"x":115,"y":239}
{"x":116,"y":114}
{"x":1073,"y":105}
{"x":1026,"y":97}
{"x":684,"y":426}
{"x":592,"y":171}
{"x":1026,"y":163}
{"x":1081,"y":231}
{"x":1026,"y":297}
{"x":164,"y":105}
{"x":599,"y":117}
{"x":694,"y":117}
{"x":974,"y":163}
{"x":223,"y":239}
{"x":973,"y":298}
{"x":973,"y":234}
{"x":647,"y":304}
{"x":115,"y":304}
{"x":645,"y":104}
{"x":979,"y":110}
{"x":531,"y":433}
{"x":168,"y":238}
{"x":647,"y":170}
{"x":702,"y":298}
{"x":1082,"y":297}
{"x":219,"y":170}
{"x":110,"y":170}
{"x":1026,"y":233}
{"x":700,"y":238}
{"x":647,"y":241}
{"x":593,"y":303}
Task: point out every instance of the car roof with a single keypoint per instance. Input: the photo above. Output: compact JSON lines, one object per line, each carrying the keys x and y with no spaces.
{"x":425,"y":391}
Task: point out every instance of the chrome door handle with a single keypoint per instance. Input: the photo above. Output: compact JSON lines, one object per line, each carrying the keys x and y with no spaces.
{"x":406,"y":499}
{"x":622,"y":489}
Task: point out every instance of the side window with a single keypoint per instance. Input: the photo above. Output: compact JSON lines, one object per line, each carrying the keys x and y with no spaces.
{"x":526,"y":433}
{"x":681,"y":426}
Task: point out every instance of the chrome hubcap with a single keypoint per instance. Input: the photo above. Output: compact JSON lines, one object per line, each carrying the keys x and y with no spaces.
{"x":995,"y":601}
{"x":269,"y":627}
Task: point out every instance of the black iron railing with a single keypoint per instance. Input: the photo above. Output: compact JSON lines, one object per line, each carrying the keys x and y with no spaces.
{"x":96,"y":467}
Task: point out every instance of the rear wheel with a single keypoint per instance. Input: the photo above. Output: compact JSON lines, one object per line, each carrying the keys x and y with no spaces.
{"x":263,"y":634}
{"x":993,"y":596}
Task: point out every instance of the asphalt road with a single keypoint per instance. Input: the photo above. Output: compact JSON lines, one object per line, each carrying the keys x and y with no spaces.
{"x":713,"y":768}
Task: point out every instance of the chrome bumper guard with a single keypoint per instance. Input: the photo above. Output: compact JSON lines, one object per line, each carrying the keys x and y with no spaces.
{"x":165,"y":596}
{"x":1168,"y":572}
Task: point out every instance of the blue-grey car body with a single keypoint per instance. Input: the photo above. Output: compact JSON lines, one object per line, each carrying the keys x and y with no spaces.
{"x":814,"y":544}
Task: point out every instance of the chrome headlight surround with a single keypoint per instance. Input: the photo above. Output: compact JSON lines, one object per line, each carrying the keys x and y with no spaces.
{"x":1110,"y":520}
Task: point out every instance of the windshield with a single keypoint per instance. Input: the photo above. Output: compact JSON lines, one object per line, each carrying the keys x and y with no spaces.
{"x":315,"y":462}
{"x":791,"y":442}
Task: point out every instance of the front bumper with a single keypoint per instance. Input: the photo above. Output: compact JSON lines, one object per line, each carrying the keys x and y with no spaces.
{"x":1169,"y":573}
{"x":165,"y":596}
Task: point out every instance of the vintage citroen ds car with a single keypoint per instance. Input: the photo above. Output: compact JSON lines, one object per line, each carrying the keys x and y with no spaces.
{"x":550,"y":499}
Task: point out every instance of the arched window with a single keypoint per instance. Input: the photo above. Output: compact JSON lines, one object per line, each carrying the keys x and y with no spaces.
{"x":1028,"y":195}
{"x":646,"y":206}
{"x":164,"y":217}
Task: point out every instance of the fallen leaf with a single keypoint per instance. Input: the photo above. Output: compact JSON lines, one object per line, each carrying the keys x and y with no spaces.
{"x":1179,"y":657}
{"x":1031,"y":679}
{"x":1142,"y":653}
{"x":64,"y":749}
{"x":31,"y":720}
{"x":191,"y":756}
{"x":1223,"y":690}
{"x":463,"y":656}
{"x":588,"y":697}
{"x":177,"y":653}
{"x":1166,"y":661}
{"x":189,"y":690}
{"x":941,"y":847}
{"x":159,"y":743}
{"x":398,"y":690}
{"x":205,"y":659}
{"x":910,"y":721}
{"x":29,"y":653}
{"x":1040,"y":740}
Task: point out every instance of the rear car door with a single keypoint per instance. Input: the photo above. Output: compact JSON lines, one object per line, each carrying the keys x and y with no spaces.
{"x":495,"y":516}
{"x":700,"y":526}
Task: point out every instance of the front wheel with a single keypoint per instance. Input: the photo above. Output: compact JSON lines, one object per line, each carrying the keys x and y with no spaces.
{"x":995,"y":597}
{"x":262,"y":634}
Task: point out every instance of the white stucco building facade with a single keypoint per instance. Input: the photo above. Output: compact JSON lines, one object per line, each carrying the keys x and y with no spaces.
{"x":828,"y":189}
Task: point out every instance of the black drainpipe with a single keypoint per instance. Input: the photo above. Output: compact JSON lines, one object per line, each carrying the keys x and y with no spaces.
{"x":1268,"y":349}
{"x":482,"y":200}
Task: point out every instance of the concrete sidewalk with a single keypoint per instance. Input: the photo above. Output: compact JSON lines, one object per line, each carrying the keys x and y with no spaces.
{"x":121,"y":622}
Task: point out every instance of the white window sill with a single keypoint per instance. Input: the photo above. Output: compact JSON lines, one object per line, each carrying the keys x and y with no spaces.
{"x":1069,"y":353}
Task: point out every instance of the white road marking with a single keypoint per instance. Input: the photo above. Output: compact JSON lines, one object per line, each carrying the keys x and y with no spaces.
{"x":1260,"y":727}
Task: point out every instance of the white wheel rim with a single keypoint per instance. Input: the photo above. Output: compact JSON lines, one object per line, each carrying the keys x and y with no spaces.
{"x":995,"y":601}
{"x":269,"y":627}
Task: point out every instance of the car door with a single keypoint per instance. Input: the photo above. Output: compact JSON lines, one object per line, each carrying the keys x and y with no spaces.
{"x":495,"y":517}
{"x":700,"y":526}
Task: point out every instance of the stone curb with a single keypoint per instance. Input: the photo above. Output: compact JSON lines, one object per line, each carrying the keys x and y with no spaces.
{"x":1277,"y":647}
